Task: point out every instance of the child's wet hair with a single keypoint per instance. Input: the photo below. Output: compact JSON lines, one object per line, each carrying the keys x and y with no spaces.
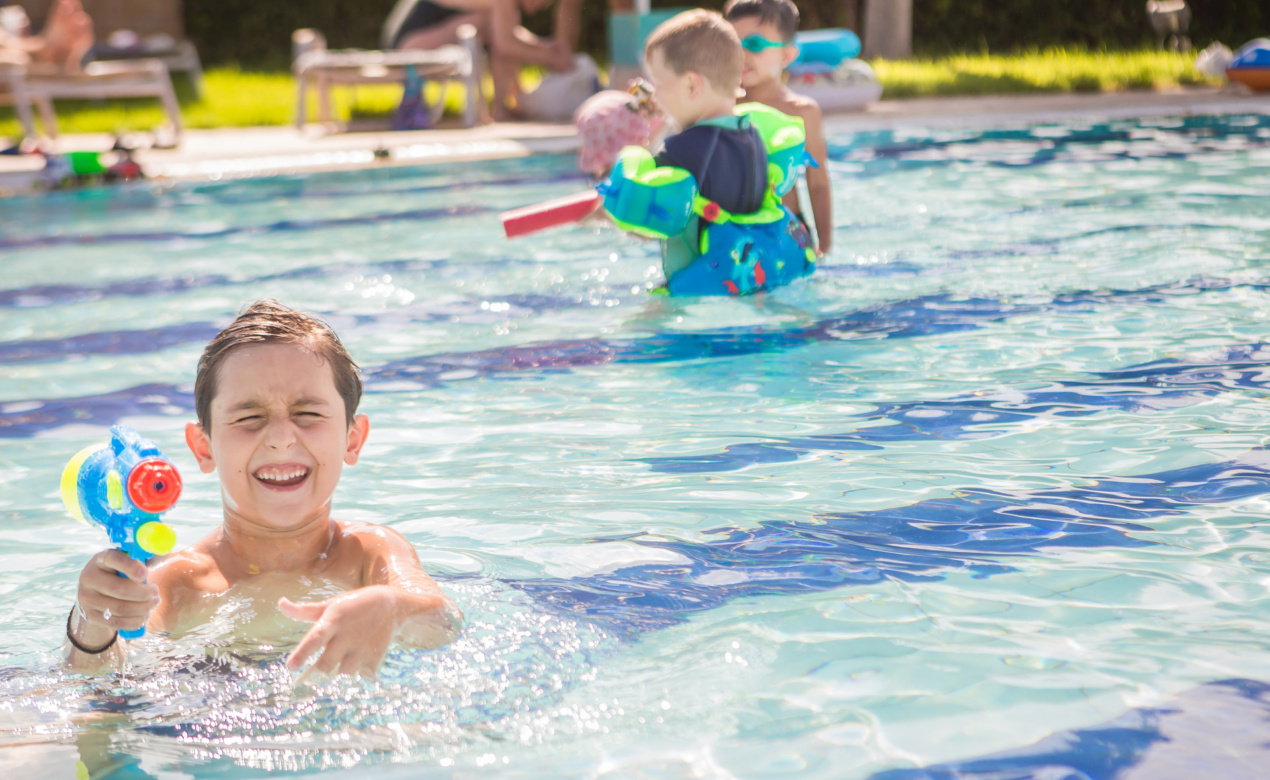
{"x":783,"y":14}
{"x":700,"y":41}
{"x":269,"y":322}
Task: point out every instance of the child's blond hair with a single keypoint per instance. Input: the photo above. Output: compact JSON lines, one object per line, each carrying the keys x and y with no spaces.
{"x":703,"y":42}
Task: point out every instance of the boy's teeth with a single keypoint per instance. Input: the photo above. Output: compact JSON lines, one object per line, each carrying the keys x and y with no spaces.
{"x":280,"y":476}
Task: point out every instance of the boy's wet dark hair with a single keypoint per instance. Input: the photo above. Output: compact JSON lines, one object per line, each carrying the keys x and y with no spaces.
{"x":269,"y":322}
{"x":781,"y":13}
{"x":702,"y":42}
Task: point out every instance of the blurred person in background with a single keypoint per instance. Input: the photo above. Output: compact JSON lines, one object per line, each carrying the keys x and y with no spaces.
{"x":66,"y":38}
{"x":428,"y":24}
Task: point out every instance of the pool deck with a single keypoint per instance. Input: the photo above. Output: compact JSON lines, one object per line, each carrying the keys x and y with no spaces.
{"x":265,"y":151}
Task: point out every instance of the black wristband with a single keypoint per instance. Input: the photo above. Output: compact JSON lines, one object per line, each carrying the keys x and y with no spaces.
{"x":80,"y":647}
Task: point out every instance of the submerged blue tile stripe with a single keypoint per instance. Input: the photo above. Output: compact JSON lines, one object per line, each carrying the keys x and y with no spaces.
{"x":974,"y":531}
{"x":924,"y":316}
{"x":905,"y":319}
{"x":110,"y":342}
{"x":927,"y":315}
{"x":57,"y":294}
{"x":883,"y":151}
{"x":1190,"y":727}
{"x":1156,"y":385}
{"x":35,"y":296}
{"x":24,"y":419}
{"x":72,"y":239}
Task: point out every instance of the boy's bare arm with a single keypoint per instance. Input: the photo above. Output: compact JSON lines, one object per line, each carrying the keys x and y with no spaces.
{"x":396,"y":601}
{"x":425,"y":615}
{"x":819,"y":190}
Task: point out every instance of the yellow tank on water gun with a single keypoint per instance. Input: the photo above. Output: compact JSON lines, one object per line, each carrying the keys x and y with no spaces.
{"x":124,"y":487}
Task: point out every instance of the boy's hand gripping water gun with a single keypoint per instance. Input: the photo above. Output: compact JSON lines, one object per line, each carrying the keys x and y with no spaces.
{"x":124,"y":487}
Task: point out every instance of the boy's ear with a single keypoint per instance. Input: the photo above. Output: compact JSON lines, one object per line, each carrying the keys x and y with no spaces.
{"x":696,"y":84}
{"x":357,"y":433}
{"x":196,"y":439}
{"x":788,"y":55}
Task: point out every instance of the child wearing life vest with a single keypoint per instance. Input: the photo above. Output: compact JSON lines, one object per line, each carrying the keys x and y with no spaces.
{"x":713,"y":193}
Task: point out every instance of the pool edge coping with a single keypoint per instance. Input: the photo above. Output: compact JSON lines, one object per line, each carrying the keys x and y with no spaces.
{"x":210,"y":155}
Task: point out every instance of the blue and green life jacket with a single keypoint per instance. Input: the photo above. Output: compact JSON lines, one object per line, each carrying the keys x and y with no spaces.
{"x":705,"y":249}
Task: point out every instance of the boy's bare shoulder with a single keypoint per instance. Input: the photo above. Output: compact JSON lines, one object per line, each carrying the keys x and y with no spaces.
{"x":191,"y":567}
{"x":371,"y":536}
{"x":802,"y":106}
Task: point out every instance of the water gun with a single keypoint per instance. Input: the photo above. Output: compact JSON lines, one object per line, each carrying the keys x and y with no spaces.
{"x":124,"y":487}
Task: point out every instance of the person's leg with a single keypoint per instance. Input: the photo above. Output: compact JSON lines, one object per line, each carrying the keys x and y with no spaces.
{"x":445,"y":33}
{"x":505,"y":72}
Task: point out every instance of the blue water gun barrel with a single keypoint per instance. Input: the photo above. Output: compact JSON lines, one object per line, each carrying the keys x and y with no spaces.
{"x":124,"y":487}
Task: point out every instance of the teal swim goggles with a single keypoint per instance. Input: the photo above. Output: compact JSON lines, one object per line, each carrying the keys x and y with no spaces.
{"x":757,"y":44}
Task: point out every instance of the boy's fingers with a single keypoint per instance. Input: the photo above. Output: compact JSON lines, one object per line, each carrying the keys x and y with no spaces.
{"x":122,"y":614}
{"x":311,"y":611}
{"x":114,"y":586}
{"x":369,"y":666}
{"x":352,"y":665}
{"x":117,"y":608}
{"x":118,"y":561}
{"x":310,"y":644}
{"x":328,"y":663}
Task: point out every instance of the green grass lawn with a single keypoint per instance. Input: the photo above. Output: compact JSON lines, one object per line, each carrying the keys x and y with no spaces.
{"x":242,"y":99}
{"x":1050,"y":70}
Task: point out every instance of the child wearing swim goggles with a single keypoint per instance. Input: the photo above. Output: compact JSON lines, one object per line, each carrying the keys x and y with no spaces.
{"x":766,"y":29}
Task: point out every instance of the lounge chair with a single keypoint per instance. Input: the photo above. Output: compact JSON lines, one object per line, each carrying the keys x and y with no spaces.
{"x":176,"y":54}
{"x":124,"y":78}
{"x":321,"y":68}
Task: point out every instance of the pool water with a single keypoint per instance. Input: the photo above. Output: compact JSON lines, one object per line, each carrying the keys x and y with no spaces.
{"x":985,"y":497}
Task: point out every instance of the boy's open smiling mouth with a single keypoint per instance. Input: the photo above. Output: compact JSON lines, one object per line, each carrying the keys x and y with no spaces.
{"x":282,"y":475}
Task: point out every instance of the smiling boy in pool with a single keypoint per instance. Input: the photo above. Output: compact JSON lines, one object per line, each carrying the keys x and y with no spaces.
{"x":276,"y":397}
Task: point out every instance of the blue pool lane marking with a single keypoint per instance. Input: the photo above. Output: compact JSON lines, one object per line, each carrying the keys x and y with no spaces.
{"x":883,"y":151}
{"x":927,"y":315}
{"x":1218,"y":730}
{"x":977,"y":531}
{"x":1150,"y":386}
{"x":37,"y":296}
{"x":40,"y":295}
{"x":924,"y":316}
{"x":24,"y":419}
{"x":1164,"y":384}
{"x":107,"y":342}
{"x":79,"y":239}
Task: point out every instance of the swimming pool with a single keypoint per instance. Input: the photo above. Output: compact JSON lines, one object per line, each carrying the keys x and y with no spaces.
{"x":993,"y":478}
